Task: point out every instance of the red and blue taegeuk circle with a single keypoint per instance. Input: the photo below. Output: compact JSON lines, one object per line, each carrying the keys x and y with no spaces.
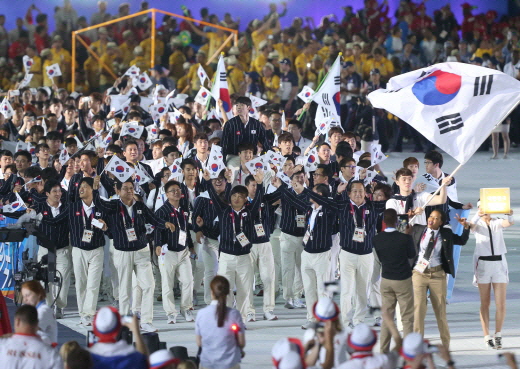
{"x":120,"y":169}
{"x":438,"y":88}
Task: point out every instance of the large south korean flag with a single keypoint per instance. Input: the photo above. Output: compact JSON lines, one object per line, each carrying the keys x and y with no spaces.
{"x":454,"y":105}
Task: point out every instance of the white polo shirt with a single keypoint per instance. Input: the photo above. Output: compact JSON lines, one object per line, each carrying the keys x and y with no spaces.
{"x":419,"y":200}
{"x":483,"y":242}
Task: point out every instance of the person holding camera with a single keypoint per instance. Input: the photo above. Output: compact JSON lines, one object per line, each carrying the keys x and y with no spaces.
{"x":416,"y":350}
{"x":491,"y":270}
{"x":110,"y":351}
{"x":24,"y":349}
{"x":220,"y":330}
{"x":34,"y":294}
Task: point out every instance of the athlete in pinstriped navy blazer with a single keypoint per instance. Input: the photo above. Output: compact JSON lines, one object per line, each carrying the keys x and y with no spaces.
{"x":87,"y":246}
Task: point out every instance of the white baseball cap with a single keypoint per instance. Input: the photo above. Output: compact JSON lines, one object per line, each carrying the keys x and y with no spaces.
{"x":325,"y":309}
{"x":362,"y":338}
{"x":161,"y":358}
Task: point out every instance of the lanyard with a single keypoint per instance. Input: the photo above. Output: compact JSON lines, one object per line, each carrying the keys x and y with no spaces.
{"x":434,"y":241}
{"x":232,"y":214}
{"x":259,"y":210}
{"x":353,"y":212}
{"x":124,"y":217}
{"x":85,"y":217}
{"x":176,"y":215}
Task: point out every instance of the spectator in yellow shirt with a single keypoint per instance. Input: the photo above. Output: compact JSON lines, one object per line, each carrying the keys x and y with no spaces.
{"x":235,"y":76}
{"x":127,"y":47}
{"x":324,"y":51}
{"x":101,"y":43}
{"x":109,"y":59}
{"x":261,"y":58}
{"x":378,"y":61}
{"x":271,"y":83}
{"x":216,"y":39}
{"x":36,"y":68}
{"x":146,"y":44}
{"x":46,"y":56}
{"x":140,"y":61}
{"x":303,"y":61}
{"x":182,"y":83}
{"x":91,"y":68}
{"x":177,"y":59}
{"x":194,"y":81}
{"x":63,"y":58}
{"x":357,"y":58}
{"x":261,"y":31}
{"x":286,"y":48}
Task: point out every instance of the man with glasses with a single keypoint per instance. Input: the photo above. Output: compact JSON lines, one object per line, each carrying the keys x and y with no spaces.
{"x":347,"y":168}
{"x":174,"y":250}
{"x":42,"y":153}
{"x":242,"y":129}
{"x":273,"y":135}
{"x":295,"y":128}
{"x":321,"y":176}
{"x":126,"y":219}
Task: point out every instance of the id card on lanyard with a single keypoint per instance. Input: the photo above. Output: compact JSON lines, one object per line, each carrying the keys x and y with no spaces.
{"x":423,"y":263}
{"x":87,"y":233}
{"x":240,"y":237}
{"x":359,"y":232}
{"x":130,"y":232}
{"x":182,"y":233}
{"x":259,"y":227}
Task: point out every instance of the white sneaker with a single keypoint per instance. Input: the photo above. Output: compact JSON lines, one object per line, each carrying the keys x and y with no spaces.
{"x":299,"y":304}
{"x":289,"y":304}
{"x":250,"y":317}
{"x":148,"y":327}
{"x":377,"y":322}
{"x":307,"y":325}
{"x":172,"y":319}
{"x":86,"y":321}
{"x":269,"y":315}
{"x":188,"y":315}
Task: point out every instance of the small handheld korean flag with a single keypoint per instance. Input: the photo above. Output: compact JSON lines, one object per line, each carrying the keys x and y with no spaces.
{"x":274,"y":158}
{"x":133,"y":71}
{"x":142,"y":81}
{"x":306,"y":94}
{"x":284,"y":177}
{"x":6,"y":109}
{"x":34,"y":180}
{"x":201,"y":73}
{"x":108,"y":140}
{"x":203,"y":96}
{"x":256,"y":164}
{"x":64,"y":156}
{"x":323,"y":126}
{"x":369,"y":177}
{"x":212,"y":114}
{"x":44,"y":126}
{"x":215,"y":161}
{"x":17,"y":205}
{"x":27,"y":63}
{"x":376,"y":155}
{"x":78,"y":142}
{"x":153,"y":133}
{"x":311,"y":161}
{"x":158,"y":110}
{"x":256,"y":101}
{"x":141,"y":177}
{"x":26,"y":80}
{"x":31,"y":149}
{"x":119,"y":169}
{"x":53,"y":70}
{"x":132,"y":129}
{"x":454,"y":105}
{"x":20,"y":146}
{"x":175,"y":168}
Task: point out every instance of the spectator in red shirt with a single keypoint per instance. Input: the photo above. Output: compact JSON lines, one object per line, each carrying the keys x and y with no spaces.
{"x":17,"y":48}
{"x":41,"y":39}
{"x":421,"y":21}
{"x":376,"y":14}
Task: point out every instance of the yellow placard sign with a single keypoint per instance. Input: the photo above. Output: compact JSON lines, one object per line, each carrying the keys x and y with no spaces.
{"x":495,"y":200}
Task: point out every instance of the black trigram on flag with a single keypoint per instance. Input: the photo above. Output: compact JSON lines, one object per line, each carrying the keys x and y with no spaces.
{"x":483,"y":85}
{"x":325,"y":98}
{"x":223,"y":76}
{"x":449,"y":123}
{"x":337,"y":80}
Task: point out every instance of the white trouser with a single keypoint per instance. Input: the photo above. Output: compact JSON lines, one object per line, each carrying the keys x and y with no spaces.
{"x":375,"y":286}
{"x":88,"y":269}
{"x":239,"y":272}
{"x":139,"y":262}
{"x":210,"y":259}
{"x":315,"y":271}
{"x":262,"y":256}
{"x":291,"y":247}
{"x":137,"y":295}
{"x":176,"y":265}
{"x":197,"y":265}
{"x":334,"y":257}
{"x":356,"y":271}
{"x":277,"y":254}
{"x":64,"y":266}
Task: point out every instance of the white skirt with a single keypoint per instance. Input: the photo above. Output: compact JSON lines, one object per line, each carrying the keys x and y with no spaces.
{"x":501,"y":128}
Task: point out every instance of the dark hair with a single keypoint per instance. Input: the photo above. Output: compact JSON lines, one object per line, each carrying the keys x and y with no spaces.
{"x":171,"y":183}
{"x":36,"y":129}
{"x":200,"y":136}
{"x":442,"y":214}
{"x":250,"y":178}
{"x":366,"y":163}
{"x":352,"y":183}
{"x":188,"y":162}
{"x":297,"y":173}
{"x":322,"y":144}
{"x":39,"y":147}
{"x":92,"y":156}
{"x":385,"y":189}
{"x":27,"y":314}
{"x":290,"y":158}
{"x":49,"y":173}
{"x":286,"y":137}
{"x":165,"y":132}
{"x":50,"y":184}
{"x":25,"y":153}
{"x":326,"y":169}
{"x":243,"y":100}
{"x":79,"y":358}
{"x":6,"y":153}
{"x":390,"y":217}
{"x":119,"y":184}
{"x":240,"y":189}
{"x":435,"y":157}
{"x":169,"y":149}
{"x":322,"y":189}
{"x":89,"y":181}
{"x":12,"y":167}
{"x":70,"y":141}
{"x":116,"y":149}
{"x":128,"y":143}
{"x":245,"y":146}
{"x":33,"y":172}
{"x":403,"y":172}
{"x":344,"y":149}
{"x":220,"y":288}
{"x":296,"y":123}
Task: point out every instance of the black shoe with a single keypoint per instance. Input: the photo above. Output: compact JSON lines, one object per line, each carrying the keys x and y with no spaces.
{"x":498,"y":343}
{"x":490,"y":344}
